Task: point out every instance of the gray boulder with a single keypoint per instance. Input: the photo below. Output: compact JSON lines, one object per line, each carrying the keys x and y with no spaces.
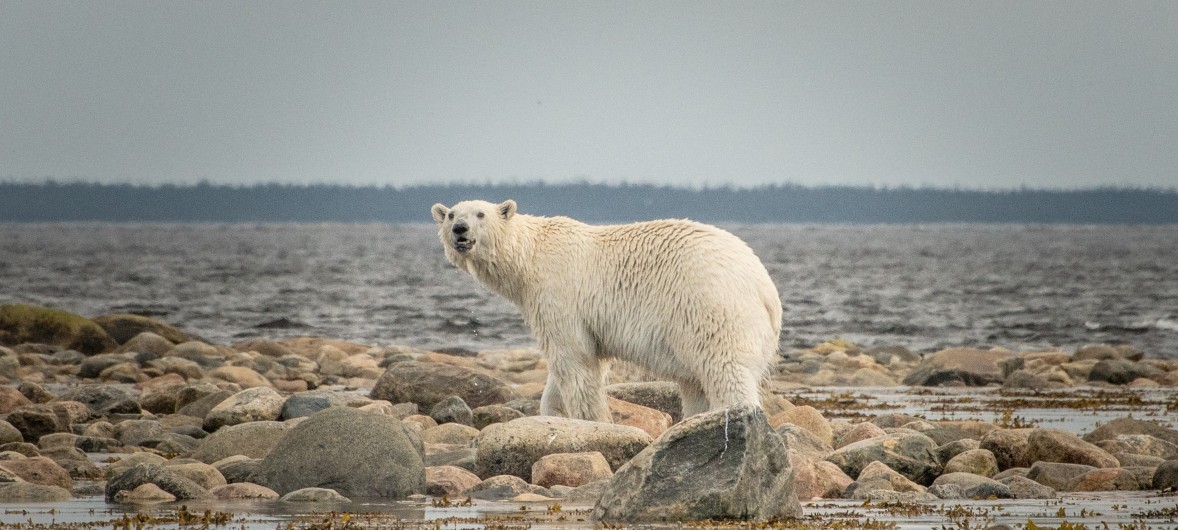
{"x":1025,"y":488}
{"x":1009,"y":447}
{"x":254,"y":404}
{"x":1058,"y":476}
{"x":255,"y":440}
{"x":1121,"y":426}
{"x":724,"y":464}
{"x":103,"y":399}
{"x":961,"y":367}
{"x":912,"y":454}
{"x":452,"y":410}
{"x":358,"y":454}
{"x":314,"y":495}
{"x":490,"y":414}
{"x":512,"y":448}
{"x":1165,"y":477}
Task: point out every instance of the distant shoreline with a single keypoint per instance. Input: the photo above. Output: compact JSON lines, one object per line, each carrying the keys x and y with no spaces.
{"x":786,"y":203}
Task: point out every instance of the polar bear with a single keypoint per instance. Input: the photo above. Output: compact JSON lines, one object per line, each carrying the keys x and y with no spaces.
{"x":687,"y":301}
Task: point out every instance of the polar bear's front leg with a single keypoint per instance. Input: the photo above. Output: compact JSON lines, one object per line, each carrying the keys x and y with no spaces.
{"x":574,"y":388}
{"x":550,"y":401}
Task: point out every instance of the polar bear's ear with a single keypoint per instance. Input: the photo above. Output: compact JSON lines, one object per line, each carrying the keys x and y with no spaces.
{"x":506,"y":209}
{"x":439,"y":211}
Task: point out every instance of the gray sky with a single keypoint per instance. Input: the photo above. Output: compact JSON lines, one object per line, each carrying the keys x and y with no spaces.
{"x":973,"y":94}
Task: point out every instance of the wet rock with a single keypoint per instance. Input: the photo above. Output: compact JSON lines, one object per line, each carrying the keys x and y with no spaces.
{"x":118,"y":467}
{"x":1113,"y":479}
{"x":1010,"y":447}
{"x":243,"y":491}
{"x":512,"y":448}
{"x":1121,"y":371}
{"x":465,"y":458}
{"x":21,"y":323}
{"x":39,"y":470}
{"x":427,"y":384}
{"x":205,"y":475}
{"x":1022,"y":379}
{"x":1165,"y":477}
{"x":659,"y":395}
{"x":314,"y":495}
{"x":653,"y":422}
{"x":1056,"y":475}
{"x":976,"y":461}
{"x":450,"y":433}
{"x":452,"y":410}
{"x":570,"y":469}
{"x":255,"y":404}
{"x":489,"y":414}
{"x":960,"y":367}
{"x":975,"y":486}
{"x":877,"y":476}
{"x":357,"y":453}
{"x":1025,"y":488}
{"x":144,"y":494}
{"x":1058,"y":445}
{"x":254,"y":440}
{"x":912,"y":454}
{"x":448,"y":481}
{"x":237,"y":471}
{"x":23,"y":492}
{"x":504,"y":487}
{"x":168,"y":481}
{"x":725,"y":464}
{"x":808,"y":418}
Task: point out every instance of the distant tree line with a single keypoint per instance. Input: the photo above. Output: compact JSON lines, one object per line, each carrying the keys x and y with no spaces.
{"x":786,"y":203}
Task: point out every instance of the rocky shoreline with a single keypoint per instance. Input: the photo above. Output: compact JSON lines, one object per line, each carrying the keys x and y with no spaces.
{"x":145,"y":413}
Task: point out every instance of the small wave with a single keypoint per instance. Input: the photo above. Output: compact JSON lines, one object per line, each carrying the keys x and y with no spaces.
{"x":1168,"y":325}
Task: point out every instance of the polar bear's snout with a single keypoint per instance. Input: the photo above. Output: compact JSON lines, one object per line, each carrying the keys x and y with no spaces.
{"x":462,"y":240}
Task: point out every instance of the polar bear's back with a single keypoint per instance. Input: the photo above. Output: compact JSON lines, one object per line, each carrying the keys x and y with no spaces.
{"x":677,"y":289}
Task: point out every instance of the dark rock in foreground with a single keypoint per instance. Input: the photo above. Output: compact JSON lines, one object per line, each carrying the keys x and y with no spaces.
{"x":725,"y":464}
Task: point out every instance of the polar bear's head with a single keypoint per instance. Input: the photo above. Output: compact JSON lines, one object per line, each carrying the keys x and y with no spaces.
{"x":469,"y":230}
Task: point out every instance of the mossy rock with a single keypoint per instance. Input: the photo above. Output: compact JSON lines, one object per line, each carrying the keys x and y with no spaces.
{"x":21,"y":323}
{"x":123,"y":327}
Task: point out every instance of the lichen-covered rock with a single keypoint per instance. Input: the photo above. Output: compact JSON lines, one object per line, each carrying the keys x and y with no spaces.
{"x":20,"y":323}
{"x":723,"y":464}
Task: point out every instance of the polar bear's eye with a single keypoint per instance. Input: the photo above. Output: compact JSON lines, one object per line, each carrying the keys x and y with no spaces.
{"x":450,"y":216}
{"x":481,"y":215}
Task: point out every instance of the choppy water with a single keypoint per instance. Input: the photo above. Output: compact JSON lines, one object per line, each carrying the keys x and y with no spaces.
{"x":923,"y":287}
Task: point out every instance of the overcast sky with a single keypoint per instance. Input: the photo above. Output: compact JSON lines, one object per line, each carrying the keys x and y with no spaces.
{"x":972,"y":94}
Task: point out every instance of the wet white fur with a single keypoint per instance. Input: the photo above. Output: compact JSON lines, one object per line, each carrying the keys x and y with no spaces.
{"x":688,"y":301}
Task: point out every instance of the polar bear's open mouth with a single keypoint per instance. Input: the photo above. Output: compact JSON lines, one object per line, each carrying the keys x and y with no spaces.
{"x":463,"y":244}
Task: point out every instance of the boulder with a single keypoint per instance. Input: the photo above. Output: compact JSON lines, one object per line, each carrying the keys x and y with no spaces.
{"x":203,"y":474}
{"x":976,"y":461}
{"x":859,"y":432}
{"x":1165,"y":477}
{"x":490,"y":414}
{"x":570,"y":469}
{"x":808,"y":418}
{"x":1058,"y":445}
{"x":975,"y":486}
{"x":803,"y":441}
{"x":27,"y":492}
{"x":512,"y":448}
{"x":237,"y":470}
{"x":146,"y":342}
{"x":659,"y":395}
{"x":9,"y":433}
{"x":1113,"y":479}
{"x":124,"y":327}
{"x":654,"y":422}
{"x":254,"y":404}
{"x":961,"y":367}
{"x":39,"y":470}
{"x":877,"y":476}
{"x":450,"y":434}
{"x":1025,"y":488}
{"x":1058,"y":476}
{"x":255,"y":440}
{"x":946,"y":451}
{"x":723,"y":464}
{"x":1140,"y":444}
{"x":139,"y":474}
{"x":243,"y":491}
{"x":1121,"y":426}
{"x":817,"y":479}
{"x":1009,"y":447}
{"x":21,"y":323}
{"x":358,"y":454}
{"x":504,"y":487}
{"x":314,"y":495}
{"x":912,"y":454}
{"x":103,"y":399}
{"x":452,"y":410}
{"x":11,"y":399}
{"x":1121,"y":371}
{"x":448,"y":481}
{"x":144,"y":494}
{"x":427,"y":384}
